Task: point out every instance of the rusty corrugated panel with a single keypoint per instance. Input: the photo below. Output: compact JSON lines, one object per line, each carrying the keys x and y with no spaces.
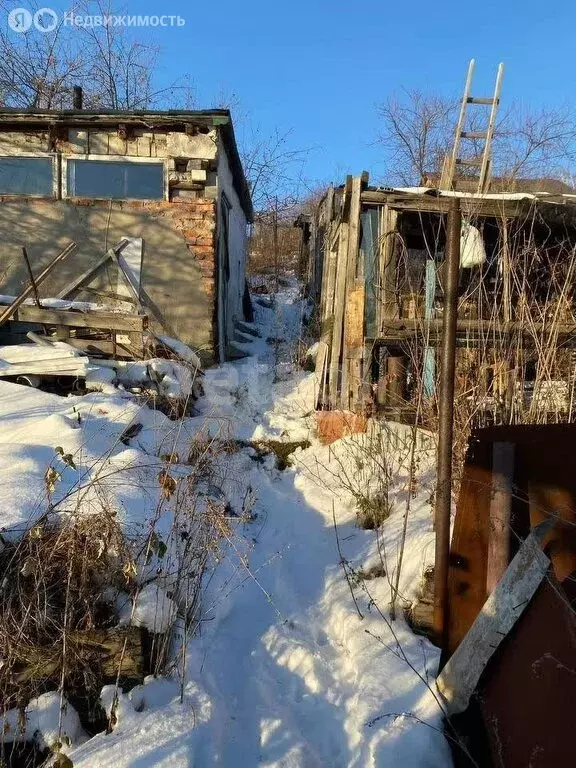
{"x":544,"y":484}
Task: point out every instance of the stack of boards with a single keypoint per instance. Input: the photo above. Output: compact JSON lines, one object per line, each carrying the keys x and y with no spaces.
{"x":57,"y":359}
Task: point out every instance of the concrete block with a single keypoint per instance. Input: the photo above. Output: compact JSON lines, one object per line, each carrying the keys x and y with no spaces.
{"x":202,"y":146}
{"x":98,"y":143}
{"x":16,"y":143}
{"x":211,"y":193}
{"x":196,"y":175}
{"x":144,"y":145}
{"x":183,"y":195}
{"x":116,"y":145}
{"x":78,"y":141}
{"x":158,"y":147}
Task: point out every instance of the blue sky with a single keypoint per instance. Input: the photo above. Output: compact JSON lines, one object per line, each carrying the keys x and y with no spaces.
{"x":320,"y":68}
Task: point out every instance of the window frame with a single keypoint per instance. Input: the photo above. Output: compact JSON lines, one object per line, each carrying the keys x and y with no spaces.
{"x":116,"y":159}
{"x":53,"y":156}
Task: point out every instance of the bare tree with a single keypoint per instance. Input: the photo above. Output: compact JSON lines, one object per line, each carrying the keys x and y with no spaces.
{"x":275,"y":175}
{"x":418,"y":130}
{"x":38,"y":70}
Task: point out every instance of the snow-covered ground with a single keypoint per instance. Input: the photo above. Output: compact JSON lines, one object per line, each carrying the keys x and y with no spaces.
{"x":296,"y":662}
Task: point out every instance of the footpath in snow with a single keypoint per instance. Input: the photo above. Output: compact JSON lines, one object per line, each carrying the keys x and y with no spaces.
{"x":296,"y":662}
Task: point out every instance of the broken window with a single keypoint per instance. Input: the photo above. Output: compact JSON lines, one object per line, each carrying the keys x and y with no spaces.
{"x":26,"y":176}
{"x":117,"y":180}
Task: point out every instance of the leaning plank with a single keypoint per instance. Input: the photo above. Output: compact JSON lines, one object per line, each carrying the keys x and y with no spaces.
{"x":97,"y":320}
{"x":459,"y":678}
{"x":132,"y":279}
{"x":130,"y":260}
{"x":337,"y":325}
{"x":350,"y":318}
{"x":320,"y":372}
{"x":79,"y":281}
{"x":19,"y":300}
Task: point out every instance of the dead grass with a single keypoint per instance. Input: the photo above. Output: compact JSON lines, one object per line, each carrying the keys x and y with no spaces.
{"x":53,"y":593}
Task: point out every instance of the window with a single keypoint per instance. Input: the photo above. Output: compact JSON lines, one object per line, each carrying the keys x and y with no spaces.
{"x":26,"y":176}
{"x":117,"y":180}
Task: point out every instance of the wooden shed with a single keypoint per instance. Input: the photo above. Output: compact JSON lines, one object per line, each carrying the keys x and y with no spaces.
{"x":375,"y":266}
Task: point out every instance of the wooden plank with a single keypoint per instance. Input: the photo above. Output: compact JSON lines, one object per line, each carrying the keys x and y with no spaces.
{"x":387,"y":305}
{"x":78,"y":282}
{"x":323,"y":357}
{"x":19,"y":300}
{"x":500,"y":511}
{"x":31,"y":276}
{"x":322,"y":246}
{"x":459,"y":678}
{"x":320,"y":371}
{"x":354,"y":330}
{"x":95,"y":320}
{"x":471,"y":206}
{"x":129,"y":261}
{"x":101,"y":347}
{"x":338,"y":316}
{"x":349,"y":375}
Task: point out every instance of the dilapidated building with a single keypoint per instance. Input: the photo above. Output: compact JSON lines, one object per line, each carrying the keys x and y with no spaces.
{"x":376,"y":259}
{"x":172,"y":180}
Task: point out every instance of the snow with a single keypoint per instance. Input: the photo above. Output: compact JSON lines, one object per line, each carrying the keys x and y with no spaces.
{"x":152,"y":609}
{"x":47,"y":303}
{"x":182,"y":350}
{"x":474,"y":195}
{"x":164,"y":735}
{"x":293,"y":665}
{"x":49,"y":719}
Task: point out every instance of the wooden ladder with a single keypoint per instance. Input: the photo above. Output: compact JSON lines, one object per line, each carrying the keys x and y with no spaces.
{"x":483,"y":161}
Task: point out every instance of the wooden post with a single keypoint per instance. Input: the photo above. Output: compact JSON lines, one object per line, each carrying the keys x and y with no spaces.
{"x":353,"y":336}
{"x":446,"y":422}
{"x":340,"y":299}
{"x":396,"y":381}
{"x":387,"y":301}
{"x":500,"y":507}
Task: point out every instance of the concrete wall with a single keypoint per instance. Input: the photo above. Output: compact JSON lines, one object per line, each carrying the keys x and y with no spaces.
{"x":180,"y":272}
{"x":178,"y":281}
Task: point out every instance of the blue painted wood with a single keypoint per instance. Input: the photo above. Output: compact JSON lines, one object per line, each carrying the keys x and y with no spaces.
{"x":429,"y":373}
{"x":369,"y":246}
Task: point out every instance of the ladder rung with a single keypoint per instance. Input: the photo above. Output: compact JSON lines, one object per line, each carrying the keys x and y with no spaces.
{"x":474,"y":135}
{"x":475,"y":162}
{"x":475,"y":100}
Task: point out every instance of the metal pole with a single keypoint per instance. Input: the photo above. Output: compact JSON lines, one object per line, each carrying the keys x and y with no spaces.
{"x":446,"y":421}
